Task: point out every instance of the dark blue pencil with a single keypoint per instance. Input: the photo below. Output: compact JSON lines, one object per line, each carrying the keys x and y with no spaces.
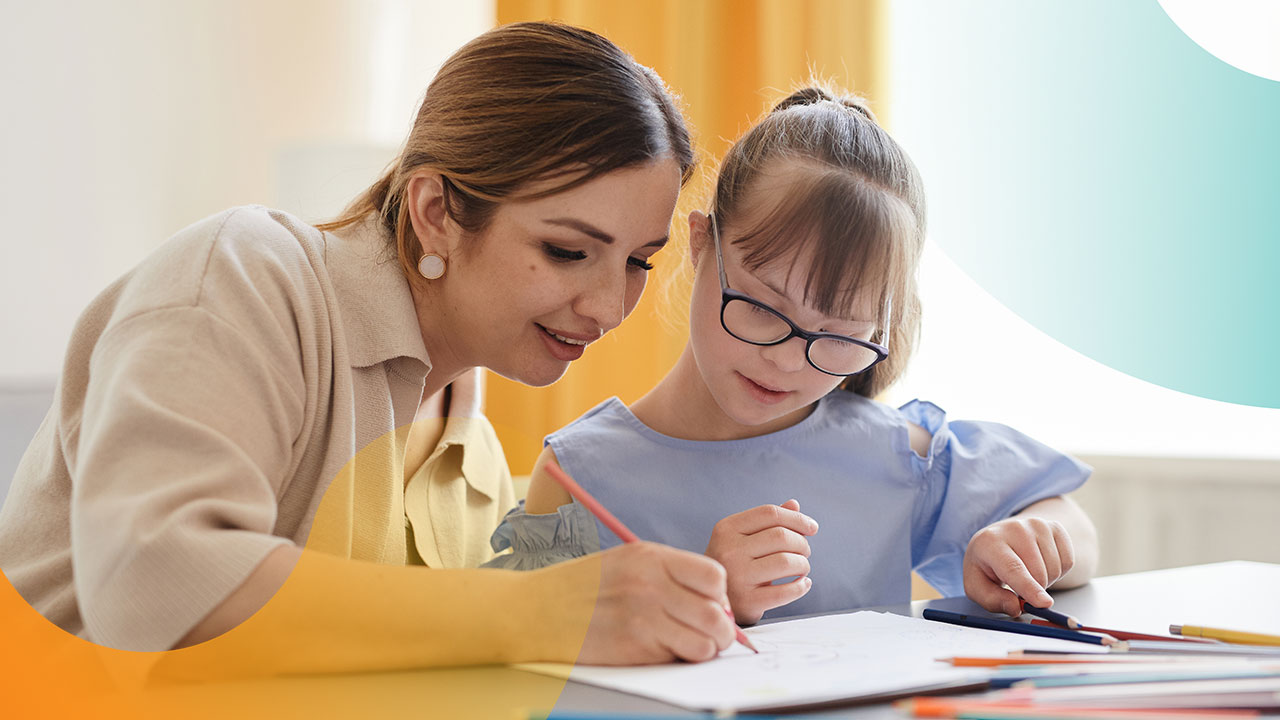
{"x":1014,"y":627}
{"x":1052,"y":616}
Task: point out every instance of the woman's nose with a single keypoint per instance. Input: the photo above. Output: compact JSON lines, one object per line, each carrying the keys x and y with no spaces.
{"x":604,"y":301}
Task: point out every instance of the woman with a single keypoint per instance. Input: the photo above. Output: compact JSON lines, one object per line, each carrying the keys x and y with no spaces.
{"x":211,"y":396}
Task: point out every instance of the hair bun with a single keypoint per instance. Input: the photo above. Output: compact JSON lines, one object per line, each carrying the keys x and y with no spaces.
{"x":813,"y":95}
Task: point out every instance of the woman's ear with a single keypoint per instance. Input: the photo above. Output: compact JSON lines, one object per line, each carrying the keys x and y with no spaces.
{"x":431,"y":224}
{"x":699,"y":235}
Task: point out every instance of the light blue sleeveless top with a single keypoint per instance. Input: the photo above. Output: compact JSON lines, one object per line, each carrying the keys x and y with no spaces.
{"x":882,"y":509}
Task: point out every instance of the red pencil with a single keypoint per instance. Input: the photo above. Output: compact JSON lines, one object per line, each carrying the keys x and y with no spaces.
{"x":1124,"y":634}
{"x":573,"y":488}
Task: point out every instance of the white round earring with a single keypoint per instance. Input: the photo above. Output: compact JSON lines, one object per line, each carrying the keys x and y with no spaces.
{"x":431,"y":266}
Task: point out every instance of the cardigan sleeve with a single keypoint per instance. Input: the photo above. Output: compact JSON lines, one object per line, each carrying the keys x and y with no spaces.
{"x":182,"y":453}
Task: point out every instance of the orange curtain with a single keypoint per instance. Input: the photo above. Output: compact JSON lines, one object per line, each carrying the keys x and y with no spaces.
{"x":729,"y":60}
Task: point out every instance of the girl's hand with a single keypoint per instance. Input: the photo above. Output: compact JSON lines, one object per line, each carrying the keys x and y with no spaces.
{"x":656,"y":604}
{"x":758,"y":546}
{"x":1028,"y":554}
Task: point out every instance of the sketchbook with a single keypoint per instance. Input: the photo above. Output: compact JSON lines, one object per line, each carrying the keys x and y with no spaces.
{"x":811,"y":662}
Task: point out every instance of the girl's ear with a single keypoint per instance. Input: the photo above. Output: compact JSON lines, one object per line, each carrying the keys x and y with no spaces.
{"x":699,"y":236}
{"x":436,"y":233}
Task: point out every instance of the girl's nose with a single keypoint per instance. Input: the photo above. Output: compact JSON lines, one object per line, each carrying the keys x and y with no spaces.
{"x":788,"y":356}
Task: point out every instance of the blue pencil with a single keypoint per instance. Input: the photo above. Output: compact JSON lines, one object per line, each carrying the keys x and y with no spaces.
{"x":1052,"y":616}
{"x":1014,"y":627}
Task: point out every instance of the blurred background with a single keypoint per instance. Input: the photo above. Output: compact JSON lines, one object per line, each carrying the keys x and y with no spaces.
{"x":127,"y":121}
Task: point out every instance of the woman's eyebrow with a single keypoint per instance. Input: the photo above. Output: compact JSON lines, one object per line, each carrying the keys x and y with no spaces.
{"x":583,"y":227}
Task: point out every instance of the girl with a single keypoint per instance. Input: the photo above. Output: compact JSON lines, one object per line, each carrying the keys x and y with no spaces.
{"x":803,"y":308}
{"x":214,"y":394}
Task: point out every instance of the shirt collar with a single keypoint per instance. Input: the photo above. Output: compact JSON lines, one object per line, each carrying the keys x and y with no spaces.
{"x":465,"y":429}
{"x":377,"y":310}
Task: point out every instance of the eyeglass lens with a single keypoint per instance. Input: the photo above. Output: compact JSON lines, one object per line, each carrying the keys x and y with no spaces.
{"x":752,"y":323}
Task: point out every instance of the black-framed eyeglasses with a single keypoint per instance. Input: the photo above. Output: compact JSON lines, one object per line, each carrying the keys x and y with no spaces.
{"x":755,"y":323}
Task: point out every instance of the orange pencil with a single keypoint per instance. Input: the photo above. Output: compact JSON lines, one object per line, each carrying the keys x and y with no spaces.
{"x":622,"y":531}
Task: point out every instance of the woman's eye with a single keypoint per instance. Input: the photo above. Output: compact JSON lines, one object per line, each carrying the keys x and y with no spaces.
{"x":640,"y":263}
{"x":559,"y":254}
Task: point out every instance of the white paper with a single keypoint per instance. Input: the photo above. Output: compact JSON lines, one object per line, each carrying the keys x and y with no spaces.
{"x":833,"y":657}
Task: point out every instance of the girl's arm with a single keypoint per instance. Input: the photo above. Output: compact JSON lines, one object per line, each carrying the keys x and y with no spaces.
{"x":545,"y":494}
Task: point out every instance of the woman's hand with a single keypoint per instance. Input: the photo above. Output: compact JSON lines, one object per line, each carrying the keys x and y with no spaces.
{"x":1028,"y":554}
{"x":759,"y":546}
{"x":657,"y":604}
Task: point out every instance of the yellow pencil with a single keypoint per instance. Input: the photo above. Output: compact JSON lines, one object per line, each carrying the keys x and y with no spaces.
{"x":1231,"y":636}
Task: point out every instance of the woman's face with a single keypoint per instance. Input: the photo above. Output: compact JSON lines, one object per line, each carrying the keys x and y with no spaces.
{"x":549,"y":276}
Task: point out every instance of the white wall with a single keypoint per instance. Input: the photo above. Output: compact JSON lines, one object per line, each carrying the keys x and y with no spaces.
{"x":125,"y":121}
{"x":979,"y":360}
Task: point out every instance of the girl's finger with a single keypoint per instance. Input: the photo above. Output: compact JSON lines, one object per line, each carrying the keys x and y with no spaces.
{"x":756,"y":519}
{"x":768,"y":597}
{"x":776,"y":566}
{"x":1066,"y":550}
{"x":1048,"y":548}
{"x":1007,"y":567}
{"x":775,"y":539}
{"x":1027,"y":547}
{"x":987,"y":592}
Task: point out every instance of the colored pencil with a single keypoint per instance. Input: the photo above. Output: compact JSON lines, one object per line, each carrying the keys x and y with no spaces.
{"x":622,"y":531}
{"x":1126,"y":635}
{"x":1052,"y":616}
{"x":1215,"y":649}
{"x":929,"y":707}
{"x":1115,"y":678}
{"x":1015,"y":627}
{"x":1035,"y":658}
{"x":624,"y":715}
{"x":1231,"y":636}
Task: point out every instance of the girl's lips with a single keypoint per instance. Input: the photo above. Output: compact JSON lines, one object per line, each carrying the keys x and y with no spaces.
{"x":761,"y":393}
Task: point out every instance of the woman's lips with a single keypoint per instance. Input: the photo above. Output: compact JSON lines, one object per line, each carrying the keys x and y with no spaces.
{"x":565,"y":347}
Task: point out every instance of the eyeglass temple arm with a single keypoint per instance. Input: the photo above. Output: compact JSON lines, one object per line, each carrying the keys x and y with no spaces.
{"x":888,"y":313}
{"x":715,"y":236}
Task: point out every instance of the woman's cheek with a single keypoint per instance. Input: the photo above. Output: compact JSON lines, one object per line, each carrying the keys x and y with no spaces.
{"x":635,"y":288}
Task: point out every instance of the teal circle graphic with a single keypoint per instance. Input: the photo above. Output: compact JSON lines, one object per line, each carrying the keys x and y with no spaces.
{"x":1105,"y":178}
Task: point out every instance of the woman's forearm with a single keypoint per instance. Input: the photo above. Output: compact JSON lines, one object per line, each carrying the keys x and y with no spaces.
{"x":337,"y":615}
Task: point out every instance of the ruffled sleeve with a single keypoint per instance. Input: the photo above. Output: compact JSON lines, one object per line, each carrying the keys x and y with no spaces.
{"x":975,"y":474}
{"x":537,"y":541}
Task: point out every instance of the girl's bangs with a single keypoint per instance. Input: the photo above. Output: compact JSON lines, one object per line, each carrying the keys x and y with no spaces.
{"x":850,"y":237}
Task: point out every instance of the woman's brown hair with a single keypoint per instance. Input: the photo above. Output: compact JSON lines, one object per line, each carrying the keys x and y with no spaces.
{"x":856,"y":211}
{"x":524,"y":102}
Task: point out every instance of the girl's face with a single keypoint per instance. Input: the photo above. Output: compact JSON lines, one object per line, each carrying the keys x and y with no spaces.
{"x":549,"y":276}
{"x":762,"y":387}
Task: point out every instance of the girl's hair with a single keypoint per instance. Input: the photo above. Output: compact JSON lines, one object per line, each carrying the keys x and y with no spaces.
{"x":524,"y":102}
{"x":857,"y":213}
